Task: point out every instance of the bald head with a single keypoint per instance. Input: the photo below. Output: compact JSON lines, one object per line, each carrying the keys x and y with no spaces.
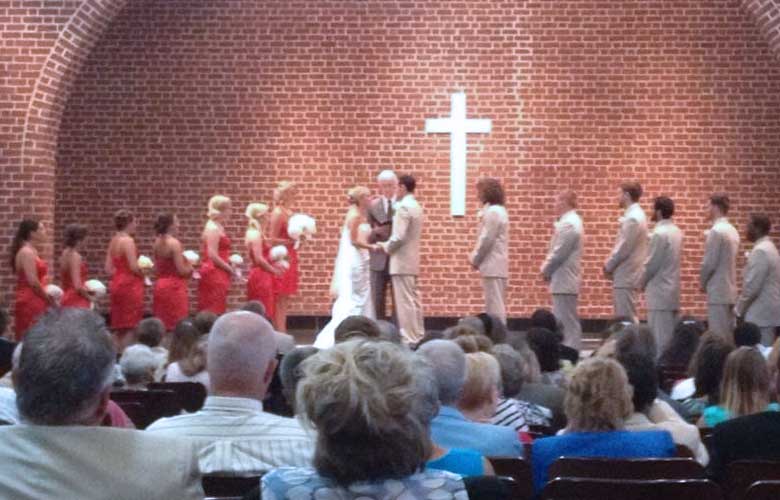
{"x":241,"y":355}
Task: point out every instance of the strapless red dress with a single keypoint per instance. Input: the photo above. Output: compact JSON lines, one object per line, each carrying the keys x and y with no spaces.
{"x":170,"y":301}
{"x":71,"y":296}
{"x":261,"y":284}
{"x":287,"y":283}
{"x":29,"y":305}
{"x":214,"y":282}
{"x":127,"y":295}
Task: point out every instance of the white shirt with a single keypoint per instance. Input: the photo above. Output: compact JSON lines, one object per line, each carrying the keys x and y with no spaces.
{"x":8,"y":410}
{"x":174,"y":374}
{"x":234,"y":436}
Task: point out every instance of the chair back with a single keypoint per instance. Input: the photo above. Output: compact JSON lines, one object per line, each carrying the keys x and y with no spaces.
{"x":519,"y":470}
{"x":191,"y":395}
{"x":154,"y":405}
{"x":740,"y":475}
{"x":635,"y":468}
{"x":611,"y":489}
{"x":763,"y":490}
{"x":491,"y":488}
{"x":228,"y":486}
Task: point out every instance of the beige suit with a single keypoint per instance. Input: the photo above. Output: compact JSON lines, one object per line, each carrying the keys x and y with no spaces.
{"x":627,"y":260}
{"x":404,"y":250}
{"x":759,"y":302}
{"x":661,"y":281}
{"x":718,"y":276}
{"x":491,"y":257}
{"x":95,"y":463}
{"x":563,"y":269}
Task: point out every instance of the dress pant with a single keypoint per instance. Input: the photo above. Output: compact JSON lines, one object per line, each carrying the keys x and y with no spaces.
{"x":409,"y":305}
{"x":380,"y":281}
{"x":720,"y":320}
{"x":662,"y":324}
{"x":625,"y":303}
{"x":495,"y":297}
{"x":565,"y":311}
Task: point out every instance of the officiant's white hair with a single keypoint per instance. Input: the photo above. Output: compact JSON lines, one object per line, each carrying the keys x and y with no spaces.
{"x":387,"y":175}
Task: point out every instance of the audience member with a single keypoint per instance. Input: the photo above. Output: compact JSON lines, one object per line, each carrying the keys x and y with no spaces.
{"x":533,"y":390}
{"x":462,"y":330}
{"x":284,"y":341}
{"x":510,"y":410}
{"x":290,"y":372}
{"x":63,"y":384}
{"x":473,"y":343}
{"x":683,"y":344}
{"x":388,"y":331}
{"x":598,"y":401}
{"x":203,"y":321}
{"x":450,"y":428}
{"x":544,"y":318}
{"x":187,"y":358}
{"x":139,"y":365}
{"x":232,"y":433}
{"x":546,"y":345}
{"x":150,"y":332}
{"x":706,"y":369}
{"x":373,"y":434}
{"x":495,"y":329}
{"x":479,"y":396}
{"x":474,"y":323}
{"x":185,"y":335}
{"x":749,"y":335}
{"x":353,"y":327}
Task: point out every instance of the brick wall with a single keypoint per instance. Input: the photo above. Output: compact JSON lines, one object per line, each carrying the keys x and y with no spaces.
{"x":767,"y":16}
{"x":182,"y":99}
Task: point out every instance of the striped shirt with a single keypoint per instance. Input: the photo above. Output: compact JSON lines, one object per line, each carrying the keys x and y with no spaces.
{"x":520,"y":414}
{"x":235,"y":437}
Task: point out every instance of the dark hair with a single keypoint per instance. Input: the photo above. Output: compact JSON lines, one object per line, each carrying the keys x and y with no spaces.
{"x":747,"y":334}
{"x":150,"y":331}
{"x":74,"y":234}
{"x":491,"y":191}
{"x":185,"y":337}
{"x":122,"y":219}
{"x":643,"y":377}
{"x":408,"y":182}
{"x":547,"y":346}
{"x":683,"y":344}
{"x":633,"y":190}
{"x":544,"y":318}
{"x":761,"y":223}
{"x":23,"y":233}
{"x":637,"y":339}
{"x":721,"y":200}
{"x":255,"y":306}
{"x":707,"y":365}
{"x":290,"y":373}
{"x":164,"y":223}
{"x":665,"y":205}
{"x":353,"y":327}
{"x":204,"y":320}
{"x":495,"y":329}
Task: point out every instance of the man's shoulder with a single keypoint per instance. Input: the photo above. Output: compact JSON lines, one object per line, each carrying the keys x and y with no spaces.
{"x":91,"y":437}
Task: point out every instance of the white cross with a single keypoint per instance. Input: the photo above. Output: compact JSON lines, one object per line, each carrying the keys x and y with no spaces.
{"x":457,"y":126}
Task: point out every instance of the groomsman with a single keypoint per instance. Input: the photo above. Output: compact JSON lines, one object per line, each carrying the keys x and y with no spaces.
{"x":562,"y":267}
{"x":661,"y":278}
{"x":490,"y":256}
{"x":380,"y":216}
{"x":759,"y":302}
{"x":718,"y":274}
{"x":626,"y":263}
{"x":404,"y":250}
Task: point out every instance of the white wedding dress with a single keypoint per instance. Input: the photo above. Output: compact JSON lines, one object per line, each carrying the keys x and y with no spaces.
{"x":351,"y":284}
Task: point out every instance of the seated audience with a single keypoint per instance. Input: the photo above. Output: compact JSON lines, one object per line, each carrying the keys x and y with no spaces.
{"x":203,"y":321}
{"x":510,"y":410}
{"x":63,"y":384}
{"x":354,"y":327}
{"x":473,"y":343}
{"x":290,"y":372}
{"x":544,"y":318}
{"x":749,"y":335}
{"x":139,"y":365}
{"x":535,"y":392}
{"x":744,"y":390}
{"x":702,"y":389}
{"x":473,"y":323}
{"x":450,"y":428}
{"x":651,"y":413}
{"x":598,"y":401}
{"x":284,"y":341}
{"x":546,"y":345}
{"x":150,"y":332}
{"x":479,"y":396}
{"x":388,"y":331}
{"x":187,"y":359}
{"x":683,"y":344}
{"x":373,"y":440}
{"x":495,"y":329}
{"x":232,"y":433}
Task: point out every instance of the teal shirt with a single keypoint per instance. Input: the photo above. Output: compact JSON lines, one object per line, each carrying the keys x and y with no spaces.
{"x":714,"y":415}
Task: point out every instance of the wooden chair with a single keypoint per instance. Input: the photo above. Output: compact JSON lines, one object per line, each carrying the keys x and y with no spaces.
{"x":634,"y":469}
{"x":610,"y":489}
{"x":519,"y":470}
{"x":763,"y":490}
{"x":492,"y":488}
{"x":154,"y":404}
{"x":541,"y":430}
{"x":191,"y":395}
{"x":740,"y":475}
{"x":228,"y":486}
{"x":682,"y":451}
{"x":133,"y":410}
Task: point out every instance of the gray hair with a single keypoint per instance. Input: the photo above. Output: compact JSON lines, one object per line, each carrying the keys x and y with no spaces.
{"x":635,"y":339}
{"x":448,"y":362}
{"x":474,"y":323}
{"x":137,"y":361}
{"x":512,"y":368}
{"x":290,"y":372}
{"x":387,"y":175}
{"x":66,"y":364}
{"x":388,"y":331}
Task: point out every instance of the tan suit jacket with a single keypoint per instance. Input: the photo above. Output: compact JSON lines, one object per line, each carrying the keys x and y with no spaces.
{"x":95,"y":463}
{"x":718,"y":274}
{"x":759,"y":302}
{"x":627,"y":261}
{"x":562,"y":267}
{"x":490,"y":254}
{"x":404,"y":244}
{"x":661,"y":279}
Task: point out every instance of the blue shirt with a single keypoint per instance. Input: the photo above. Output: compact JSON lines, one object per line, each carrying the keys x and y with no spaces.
{"x":460,"y":461}
{"x":450,"y":429}
{"x":612,"y":444}
{"x":714,"y":415}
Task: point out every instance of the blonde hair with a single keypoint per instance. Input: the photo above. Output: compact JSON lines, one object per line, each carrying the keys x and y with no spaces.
{"x":483,"y":380}
{"x":356,"y":193}
{"x":745,"y":386}
{"x":253,"y":212}
{"x":598,"y":397}
{"x":217,"y":205}
{"x":282,"y":188}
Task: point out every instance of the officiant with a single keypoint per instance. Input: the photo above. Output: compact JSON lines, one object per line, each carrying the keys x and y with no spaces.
{"x":380,"y":216}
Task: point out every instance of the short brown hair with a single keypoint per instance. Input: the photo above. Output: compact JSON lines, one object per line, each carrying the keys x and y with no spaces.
{"x":122,"y":219}
{"x":721,"y":200}
{"x":598,"y":397}
{"x":74,"y":233}
{"x":490,"y":191}
{"x":632,"y":189}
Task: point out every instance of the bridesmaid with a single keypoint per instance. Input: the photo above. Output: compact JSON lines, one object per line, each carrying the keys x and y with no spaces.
{"x":31,"y":298}
{"x":285,"y":285}
{"x":127,"y":280}
{"x":261,"y":278}
{"x":170,"y":300}
{"x":73,"y":269}
{"x":215,"y":271}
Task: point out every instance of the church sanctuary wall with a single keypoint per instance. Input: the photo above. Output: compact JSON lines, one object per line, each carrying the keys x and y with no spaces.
{"x":181,"y":99}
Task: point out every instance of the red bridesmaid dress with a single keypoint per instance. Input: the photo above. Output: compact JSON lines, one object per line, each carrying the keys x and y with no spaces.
{"x":170,"y":301}
{"x":71,"y":297}
{"x":261,"y":284}
{"x":127,"y":295}
{"x":214,"y":282}
{"x":287,"y":283}
{"x":29,"y":305}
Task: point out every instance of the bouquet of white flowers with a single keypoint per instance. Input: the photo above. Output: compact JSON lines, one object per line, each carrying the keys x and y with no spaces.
{"x":236,"y":261}
{"x":301,"y":226}
{"x":194,"y":259}
{"x":96,"y":288}
{"x":145,"y":264}
{"x":278,"y":255}
{"x":54,"y":292}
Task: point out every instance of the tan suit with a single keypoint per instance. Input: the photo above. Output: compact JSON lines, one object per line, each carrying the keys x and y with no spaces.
{"x":759,"y":302}
{"x":95,"y":463}
{"x":404,"y":250}
{"x":491,"y":257}
{"x":661,"y":281}
{"x":563,"y":269}
{"x":718,"y":276}
{"x":627,"y":260}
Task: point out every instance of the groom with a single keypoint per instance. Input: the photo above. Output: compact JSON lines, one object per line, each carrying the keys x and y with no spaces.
{"x":403,"y":247}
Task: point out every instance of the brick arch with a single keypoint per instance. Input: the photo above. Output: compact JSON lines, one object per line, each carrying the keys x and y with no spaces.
{"x":766,"y":14}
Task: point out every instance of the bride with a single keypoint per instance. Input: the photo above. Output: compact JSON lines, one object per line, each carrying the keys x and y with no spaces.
{"x":350,"y":285}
